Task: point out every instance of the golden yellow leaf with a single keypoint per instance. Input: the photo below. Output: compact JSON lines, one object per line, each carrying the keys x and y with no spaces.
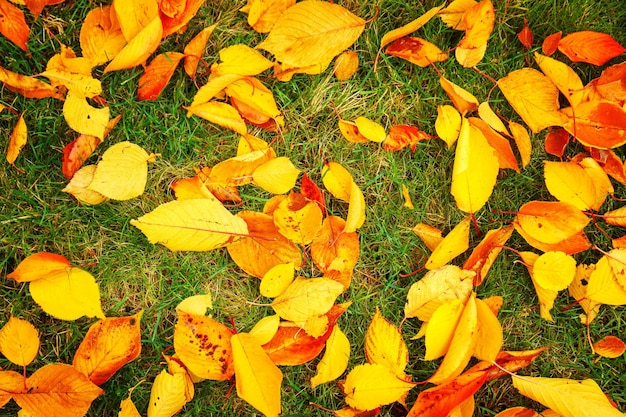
{"x":312,"y":33}
{"x":350,"y":131}
{"x":384,"y":345}
{"x":19,"y":341}
{"x":478,"y":21}
{"x":437,"y":287}
{"x":563,"y":76}
{"x":168,"y":394}
{"x":463,"y":100}
{"x":578,"y":290}
{"x":108,"y":345}
{"x":534,"y":97}
{"x":371,"y":385}
{"x":122,"y":172}
{"x":605,"y":285}
{"x":546,"y":297}
{"x":441,"y":328}
{"x":203,"y":345}
{"x":191,"y":225}
{"x":571,"y":183}
{"x":306,"y":298}
{"x":490,"y":336}
{"x":257,"y":98}
{"x":265,"y":329}
{"x":554,"y":270}
{"x":491,"y":118}
{"x":101,"y":37}
{"x":238,"y":170}
{"x":134,"y":15}
{"x":522,"y":140}
{"x":17,"y":141}
{"x":212,"y":89}
{"x":128,"y":409}
{"x":276,"y":176}
{"x":501,"y":145}
{"x":196,"y":304}
{"x":57,"y":390}
{"x":241,"y":59}
{"x":455,"y":243}
{"x":616,"y":217}
{"x":250,"y":143}
{"x":475,"y":169}
{"x":78,"y":186}
{"x":262,"y":14}
{"x":139,"y":48}
{"x":277,"y":279}
{"x":83,"y":117}
{"x":335,"y":359}
{"x":79,"y":84}
{"x":453,"y":14}
{"x":568,"y":397}
{"x":257,"y":379}
{"x":610,"y":347}
{"x":371,"y":130}
{"x":431,"y":236}
{"x":337,"y":180}
{"x":332,"y":242}
{"x":356,"y":209}
{"x":346,"y":65}
{"x":408,"y":203}
{"x":409,"y":27}
{"x":222,"y":114}
{"x":194,"y":49}
{"x":462,"y":345}
{"x":601,"y":181}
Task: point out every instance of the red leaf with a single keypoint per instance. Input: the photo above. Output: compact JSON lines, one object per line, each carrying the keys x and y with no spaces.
{"x":13,"y":24}
{"x":551,"y":43}
{"x":592,"y":47}
{"x":556,"y":141}
{"x":311,"y":191}
{"x":525,"y":36}
{"x":157,"y":75}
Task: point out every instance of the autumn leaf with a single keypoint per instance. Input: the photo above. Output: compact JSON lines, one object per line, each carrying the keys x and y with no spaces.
{"x":453,"y":14}
{"x":522,"y":140}
{"x":370,"y":129}
{"x":139,"y":48}
{"x":222,"y":114}
{"x":369,"y":386}
{"x":551,"y":43}
{"x":262,"y":14}
{"x":401,"y":136}
{"x":578,"y":290}
{"x":592,"y":47}
{"x":101,"y":37}
{"x":83,"y":117}
{"x":346,"y":64}
{"x":500,"y":145}
{"x":298,"y":219}
{"x":108,"y":345}
{"x":546,"y":296}
{"x":257,"y":379}
{"x":486,"y":252}
{"x":563,"y":76}
{"x":276,"y":176}
{"x":312,"y":33}
{"x":19,"y":341}
{"x":157,"y":74}
{"x":195,"y":49}
{"x":463,"y":100}
{"x":57,"y":390}
{"x":178,"y":20}
{"x":168,"y":394}
{"x":569,"y":182}
{"x":78,"y":186}
{"x":417,"y":51}
{"x":128,"y":408}
{"x":409,"y":27}
{"x":568,"y":397}
{"x":335,"y":359}
{"x":491,"y":118}
{"x":441,"y":328}
{"x":525,"y":36}
{"x":306,"y":298}
{"x":448,"y":124}
{"x":27,"y":86}
{"x":384,"y":345}
{"x":265,"y":329}
{"x":610,"y":347}
{"x":607,"y":284}
{"x":478,"y":21}
{"x":338,"y":181}
{"x":13,"y":25}
{"x":599,"y":124}
{"x":134,"y":15}
{"x":241,"y":59}
{"x":17,"y":141}
{"x":455,"y":243}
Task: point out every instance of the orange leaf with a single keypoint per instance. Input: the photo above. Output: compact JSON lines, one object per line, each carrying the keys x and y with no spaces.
{"x":346,"y":65}
{"x":57,"y":390}
{"x":39,"y":266}
{"x":486,"y":252}
{"x":18,"y":139}
{"x":36,"y":6}
{"x":599,"y":124}
{"x":350,"y":131}
{"x":10,"y":383}
{"x":157,"y":74}
{"x":551,"y":43}
{"x":311,"y":191}
{"x":592,"y":47}
{"x":29,"y":87}
{"x":101,"y":37}
{"x":331,"y":243}
{"x":522,"y":140}
{"x":525,"y":36}
{"x":179,"y":21}
{"x":108,"y":345}
{"x":262,"y":14}
{"x":13,"y":24}
{"x":194,"y":50}
{"x":550,"y":221}
{"x":417,"y":51}
{"x":264,"y":247}
{"x":610,"y":347}
{"x":501,"y":146}
{"x":557,"y":139}
{"x":462,"y":99}
{"x":298,"y":219}
{"x":401,"y":136}
{"x":479,"y":21}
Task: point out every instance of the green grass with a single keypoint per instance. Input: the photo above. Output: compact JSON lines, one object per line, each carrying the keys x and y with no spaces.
{"x":134,"y":275}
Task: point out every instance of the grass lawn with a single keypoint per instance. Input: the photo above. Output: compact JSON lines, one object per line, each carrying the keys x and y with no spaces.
{"x":135,"y":275}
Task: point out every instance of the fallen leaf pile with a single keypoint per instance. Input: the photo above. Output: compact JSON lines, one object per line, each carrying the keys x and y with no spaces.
{"x":296,"y":225}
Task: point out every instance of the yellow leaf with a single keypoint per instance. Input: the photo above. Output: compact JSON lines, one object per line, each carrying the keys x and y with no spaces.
{"x":196,"y":304}
{"x":194,"y":49}
{"x":335,"y":359}
{"x":571,"y":183}
{"x":490,"y":336}
{"x":222,"y":114}
{"x":563,"y":76}
{"x":57,"y":390}
{"x":68,"y":294}
{"x":453,"y":14}
{"x":546,"y":297}
{"x":384,"y":345}
{"x":522,"y":140}
{"x":277,"y":279}
{"x":191,"y":225}
{"x":455,"y":243}
{"x":276,"y":176}
{"x":265,"y":329}
{"x":337,"y":180}
{"x":371,"y":385}
{"x":408,"y":28}
{"x":431,"y":236}
{"x":312,"y":33}
{"x":346,"y":65}
{"x":475,"y":169}
{"x":258,"y":380}
{"x":212,"y":89}
{"x":18,"y":139}
{"x":80,"y":85}
{"x":610,"y":347}
{"x":78,"y":186}
{"x":407,"y":197}
{"x":241,"y":59}
{"x":601,"y":181}
{"x":534,"y":97}
{"x":139,"y":48}
{"x":134,"y":15}
{"x":441,"y":328}
{"x":568,"y":397}
{"x":448,"y":124}
{"x":122,"y":172}
{"x":578,"y":291}
{"x":437,"y":287}
{"x":462,"y":345}
{"x":257,"y":98}
{"x":238,"y":170}
{"x":19,"y":341}
{"x":554,"y":270}
{"x":479,"y":21}
{"x":306,"y":298}
{"x":604,"y":285}
{"x":463,"y":100}
{"x":491,"y":118}
{"x":168,"y":394}
{"x":101,"y":37}
{"x":83,"y":117}
{"x":128,"y":409}
{"x":356,"y":209}
{"x":371,"y":130}
{"x":262,"y":14}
